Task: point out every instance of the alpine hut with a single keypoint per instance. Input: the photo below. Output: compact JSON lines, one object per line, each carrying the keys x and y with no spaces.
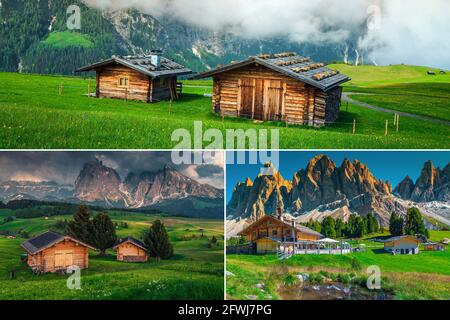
{"x":130,"y":249}
{"x":284,"y":86}
{"x":268,"y":231}
{"x":402,"y":245}
{"x":149,"y":78}
{"x":52,"y":252}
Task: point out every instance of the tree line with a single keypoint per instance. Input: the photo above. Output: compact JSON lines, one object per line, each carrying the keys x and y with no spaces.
{"x":100,"y":232}
{"x":412,"y":224}
{"x":356,"y":227}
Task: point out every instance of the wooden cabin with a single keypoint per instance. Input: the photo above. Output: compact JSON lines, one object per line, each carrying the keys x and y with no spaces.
{"x":269,"y":230}
{"x":130,"y":249}
{"x":149,"y":78}
{"x":53,"y":252}
{"x":402,"y":245}
{"x":284,"y":87}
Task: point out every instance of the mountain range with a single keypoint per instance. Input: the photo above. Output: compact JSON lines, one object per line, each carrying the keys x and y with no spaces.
{"x":167,"y":190}
{"x":34,"y":38}
{"x":325,"y":189}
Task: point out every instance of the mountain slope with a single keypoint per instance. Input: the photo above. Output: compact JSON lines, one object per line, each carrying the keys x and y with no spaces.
{"x":30,"y":28}
{"x":433,"y":184}
{"x":322,"y":188}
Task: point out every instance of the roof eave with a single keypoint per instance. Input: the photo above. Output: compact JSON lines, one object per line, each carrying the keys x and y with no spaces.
{"x":228,"y":67}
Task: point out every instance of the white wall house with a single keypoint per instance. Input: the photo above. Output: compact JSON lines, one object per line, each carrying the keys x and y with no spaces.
{"x":402,"y":245}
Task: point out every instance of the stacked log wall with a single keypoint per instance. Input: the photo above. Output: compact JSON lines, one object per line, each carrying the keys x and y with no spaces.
{"x":139,"y":85}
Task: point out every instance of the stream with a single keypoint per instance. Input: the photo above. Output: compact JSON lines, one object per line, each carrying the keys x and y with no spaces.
{"x":330,"y":291}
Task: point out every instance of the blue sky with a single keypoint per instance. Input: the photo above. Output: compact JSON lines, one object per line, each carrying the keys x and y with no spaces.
{"x":391,"y":165}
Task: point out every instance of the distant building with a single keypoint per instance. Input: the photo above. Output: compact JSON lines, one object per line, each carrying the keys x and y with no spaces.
{"x":149,"y":78}
{"x":283,"y":86}
{"x":402,"y":245}
{"x":52,"y":252}
{"x":433,"y":246}
{"x":130,"y":249}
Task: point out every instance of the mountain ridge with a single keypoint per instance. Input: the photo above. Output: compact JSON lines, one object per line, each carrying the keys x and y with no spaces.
{"x":321,"y":189}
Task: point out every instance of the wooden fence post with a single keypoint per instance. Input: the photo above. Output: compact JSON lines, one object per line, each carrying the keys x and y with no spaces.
{"x":354,"y":126}
{"x":170,"y":107}
{"x":386,"y":128}
{"x":89,"y":88}
{"x":398,"y":119}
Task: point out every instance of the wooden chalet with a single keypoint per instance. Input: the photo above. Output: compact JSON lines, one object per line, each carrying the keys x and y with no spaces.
{"x":269,"y":230}
{"x":402,"y":245}
{"x":52,"y":252}
{"x":130,"y":249}
{"x":149,"y":78}
{"x":284,"y":87}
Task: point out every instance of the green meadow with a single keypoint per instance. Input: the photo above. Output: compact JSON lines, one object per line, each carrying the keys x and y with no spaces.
{"x":194,"y":272}
{"x":407,"y":277}
{"x":34,"y":115}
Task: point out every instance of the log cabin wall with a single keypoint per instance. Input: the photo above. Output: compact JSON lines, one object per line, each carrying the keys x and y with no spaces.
{"x":139,"y":85}
{"x":259,"y":93}
{"x":60,"y":257}
{"x":130,"y":252}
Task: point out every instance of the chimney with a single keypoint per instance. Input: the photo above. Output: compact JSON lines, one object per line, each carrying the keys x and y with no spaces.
{"x":155,"y":58}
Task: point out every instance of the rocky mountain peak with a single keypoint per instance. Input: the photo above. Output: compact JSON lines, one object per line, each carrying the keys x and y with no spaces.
{"x":433,"y":184}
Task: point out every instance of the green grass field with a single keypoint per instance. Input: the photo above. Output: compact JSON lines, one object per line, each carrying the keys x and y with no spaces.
{"x":34,"y":115}
{"x":195,"y":271}
{"x":402,"y":88}
{"x":65,"y":39}
{"x":422,"y":276}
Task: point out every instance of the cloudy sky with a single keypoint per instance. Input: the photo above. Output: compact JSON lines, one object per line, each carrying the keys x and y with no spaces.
{"x":412,"y":32}
{"x":64,"y":167}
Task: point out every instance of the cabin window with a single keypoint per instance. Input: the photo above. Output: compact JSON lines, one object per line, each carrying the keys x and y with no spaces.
{"x":123,"y":82}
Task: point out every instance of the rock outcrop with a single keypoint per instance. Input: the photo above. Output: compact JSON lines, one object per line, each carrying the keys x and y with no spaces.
{"x":320,"y":186}
{"x":433,"y":184}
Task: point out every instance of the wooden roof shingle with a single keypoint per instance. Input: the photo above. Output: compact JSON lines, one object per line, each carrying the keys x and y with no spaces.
{"x":142,"y":64}
{"x":292,"y":65}
{"x":134,"y":241}
{"x":46,"y":240}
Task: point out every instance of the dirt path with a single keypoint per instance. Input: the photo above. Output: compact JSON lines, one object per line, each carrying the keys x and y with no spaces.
{"x":346,"y":98}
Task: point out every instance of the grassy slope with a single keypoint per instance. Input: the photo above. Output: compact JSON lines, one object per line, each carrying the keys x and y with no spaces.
{"x":33,"y":115}
{"x":195,"y":271}
{"x":403,"y":88}
{"x":61,"y":40}
{"x":423,"y":276}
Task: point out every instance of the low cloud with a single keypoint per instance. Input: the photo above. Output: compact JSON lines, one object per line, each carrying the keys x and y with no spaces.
{"x":413,"y":32}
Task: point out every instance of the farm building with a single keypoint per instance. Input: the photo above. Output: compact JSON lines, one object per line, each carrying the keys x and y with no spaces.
{"x":433,"y":246}
{"x":402,"y":245}
{"x":269,"y":230}
{"x":149,"y":78}
{"x":52,"y":252}
{"x":130,"y":249}
{"x":284,"y":87}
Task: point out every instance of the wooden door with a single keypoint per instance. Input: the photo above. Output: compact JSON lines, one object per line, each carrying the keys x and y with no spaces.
{"x":246,"y":96}
{"x":273,"y":94}
{"x":63,"y":259}
{"x":259,"y":99}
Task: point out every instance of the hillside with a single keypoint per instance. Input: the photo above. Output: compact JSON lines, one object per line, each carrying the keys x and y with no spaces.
{"x":195,"y":272}
{"x":31,"y":104}
{"x":34,"y":38}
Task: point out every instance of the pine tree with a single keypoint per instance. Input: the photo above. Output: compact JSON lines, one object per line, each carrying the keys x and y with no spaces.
{"x":104,"y":232}
{"x":81,"y":226}
{"x":372,"y":223}
{"x":157,"y":241}
{"x":396,"y":224}
{"x":328,"y":228}
{"x":414,"y":224}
